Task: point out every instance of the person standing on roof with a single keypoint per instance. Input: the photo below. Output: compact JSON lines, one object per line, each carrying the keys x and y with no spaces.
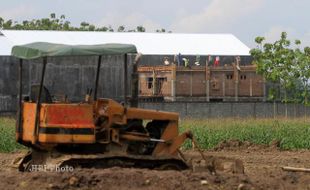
{"x":217,"y":61}
{"x":197,"y":62}
{"x":166,"y":61}
{"x":186,"y":62}
{"x":178,"y":59}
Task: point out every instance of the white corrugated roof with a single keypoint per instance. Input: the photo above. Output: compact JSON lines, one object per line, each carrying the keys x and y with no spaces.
{"x":146,"y":43}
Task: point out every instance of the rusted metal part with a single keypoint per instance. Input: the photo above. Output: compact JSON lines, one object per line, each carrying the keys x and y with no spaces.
{"x":67,"y":123}
{"x":138,"y":137}
{"x":28,"y":117}
{"x":171,"y":146}
{"x":67,"y":115}
{"x":198,"y":148}
{"x":131,"y":137}
{"x":151,"y":114}
{"x":115,"y":112}
{"x":169,"y":134}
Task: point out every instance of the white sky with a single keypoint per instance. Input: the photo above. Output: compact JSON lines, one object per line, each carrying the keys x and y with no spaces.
{"x":246,"y":19}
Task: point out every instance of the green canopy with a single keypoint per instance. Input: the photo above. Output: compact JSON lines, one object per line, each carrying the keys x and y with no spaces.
{"x":43,"y":49}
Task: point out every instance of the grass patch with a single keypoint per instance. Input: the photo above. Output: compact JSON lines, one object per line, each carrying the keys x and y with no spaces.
{"x":7,"y":132}
{"x":291,"y":133}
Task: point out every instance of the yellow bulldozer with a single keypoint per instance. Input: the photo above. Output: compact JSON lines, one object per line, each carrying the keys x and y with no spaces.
{"x":96,"y":132}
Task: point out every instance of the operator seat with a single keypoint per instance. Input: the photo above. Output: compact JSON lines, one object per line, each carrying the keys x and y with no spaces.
{"x":45,"y":96}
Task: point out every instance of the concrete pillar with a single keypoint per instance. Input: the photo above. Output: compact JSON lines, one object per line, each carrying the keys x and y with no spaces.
{"x":172,"y":90}
{"x":154,"y":82}
{"x":173,"y":82}
{"x":264,"y":90}
{"x":236,"y":76}
{"x":223,"y":84}
{"x":191,"y":84}
{"x":236,"y":79}
{"x":207,"y":77}
{"x":236,"y":90}
{"x":251,"y":85}
{"x":208,"y":90}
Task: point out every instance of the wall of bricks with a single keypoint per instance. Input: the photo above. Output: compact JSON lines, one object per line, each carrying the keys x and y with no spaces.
{"x":192,"y":82}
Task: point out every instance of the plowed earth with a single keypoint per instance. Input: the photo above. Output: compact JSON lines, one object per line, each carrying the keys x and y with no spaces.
{"x":262,"y":171}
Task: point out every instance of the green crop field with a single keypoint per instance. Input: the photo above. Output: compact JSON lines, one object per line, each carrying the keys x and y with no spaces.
{"x":291,"y":133}
{"x":7,"y":132}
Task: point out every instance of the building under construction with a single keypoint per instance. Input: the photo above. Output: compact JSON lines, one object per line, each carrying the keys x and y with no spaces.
{"x":233,"y":82}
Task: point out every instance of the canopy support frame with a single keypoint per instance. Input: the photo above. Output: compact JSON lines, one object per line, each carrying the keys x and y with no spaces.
{"x":97,"y":77}
{"x":38,"y":105}
{"x":20,"y":104}
{"x":125,"y":80}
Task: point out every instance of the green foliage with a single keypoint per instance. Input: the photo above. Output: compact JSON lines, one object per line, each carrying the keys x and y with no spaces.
{"x":292,"y":134}
{"x":7,"y":132}
{"x":162,"y":31}
{"x":121,"y":29}
{"x":1,"y":22}
{"x":60,"y":23}
{"x":279,"y":63}
{"x":140,"y":29}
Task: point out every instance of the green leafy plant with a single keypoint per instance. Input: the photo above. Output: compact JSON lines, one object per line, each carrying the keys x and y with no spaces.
{"x":7,"y":132}
{"x":279,"y":63}
{"x":291,"y":133}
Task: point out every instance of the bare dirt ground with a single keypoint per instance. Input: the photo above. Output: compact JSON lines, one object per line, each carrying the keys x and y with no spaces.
{"x":262,"y":171}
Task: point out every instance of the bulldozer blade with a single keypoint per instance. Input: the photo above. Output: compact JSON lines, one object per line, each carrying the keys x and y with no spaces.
{"x":215,"y":164}
{"x":218,"y":165}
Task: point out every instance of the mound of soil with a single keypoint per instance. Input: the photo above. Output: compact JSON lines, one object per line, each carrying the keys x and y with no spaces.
{"x":242,"y":145}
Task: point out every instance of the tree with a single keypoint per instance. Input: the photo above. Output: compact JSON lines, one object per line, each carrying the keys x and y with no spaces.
{"x":302,"y":62}
{"x":53,"y":15}
{"x":110,"y":29}
{"x":279,"y":63}
{"x":140,"y":29}
{"x":274,"y":61}
{"x":7,"y":24}
{"x":84,"y":26}
{"x":121,"y":28}
{"x":1,"y":22}
{"x":161,"y":30}
{"x":60,"y":23}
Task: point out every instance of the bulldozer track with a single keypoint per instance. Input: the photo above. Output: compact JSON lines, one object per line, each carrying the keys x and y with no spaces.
{"x":55,"y":160}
